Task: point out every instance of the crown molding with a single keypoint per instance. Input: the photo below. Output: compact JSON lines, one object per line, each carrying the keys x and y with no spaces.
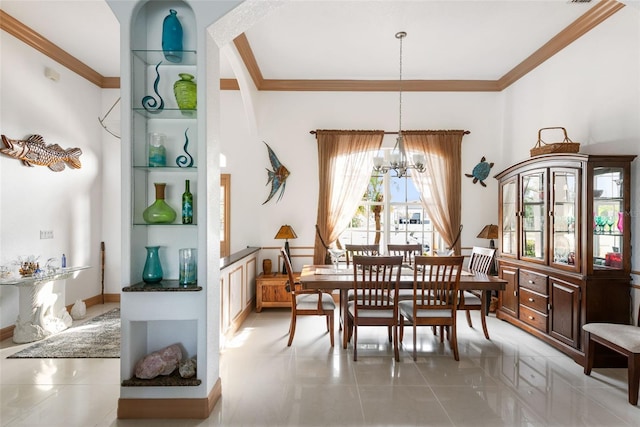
{"x":589,"y":20}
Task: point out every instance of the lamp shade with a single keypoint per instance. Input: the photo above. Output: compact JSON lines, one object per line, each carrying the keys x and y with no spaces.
{"x":489,"y":232}
{"x":286,"y":232}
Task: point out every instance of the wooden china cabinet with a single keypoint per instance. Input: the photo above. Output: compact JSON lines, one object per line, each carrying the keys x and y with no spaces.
{"x":565,"y":250}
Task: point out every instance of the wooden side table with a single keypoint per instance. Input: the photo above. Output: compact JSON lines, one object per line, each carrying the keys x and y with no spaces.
{"x":271,"y":292}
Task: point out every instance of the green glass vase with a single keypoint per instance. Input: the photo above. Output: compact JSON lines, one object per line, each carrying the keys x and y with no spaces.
{"x":159,"y":212}
{"x":185,"y":91}
{"x":152,"y":272}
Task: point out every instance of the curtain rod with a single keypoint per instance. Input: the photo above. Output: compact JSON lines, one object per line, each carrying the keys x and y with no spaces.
{"x":466,"y":132}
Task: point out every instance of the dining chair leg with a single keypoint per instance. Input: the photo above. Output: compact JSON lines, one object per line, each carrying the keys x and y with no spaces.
{"x":395,"y":343}
{"x":401,"y":328}
{"x":589,"y":353}
{"x":355,"y":343}
{"x":292,"y":329}
{"x":469,"y":318}
{"x":453,"y":341}
{"x":483,"y":315}
{"x":634,"y":377}
{"x":415,"y":355}
{"x":389,"y":332}
{"x":345,"y":332}
{"x":330,"y":322}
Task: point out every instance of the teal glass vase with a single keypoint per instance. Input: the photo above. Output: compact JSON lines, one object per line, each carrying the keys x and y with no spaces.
{"x":152,"y":272}
{"x":159,"y":212}
{"x":185,"y":91}
{"x":172,"y":37}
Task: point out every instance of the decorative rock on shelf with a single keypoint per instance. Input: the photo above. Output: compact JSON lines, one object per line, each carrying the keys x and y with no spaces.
{"x":187,"y":369}
{"x":161,"y":362}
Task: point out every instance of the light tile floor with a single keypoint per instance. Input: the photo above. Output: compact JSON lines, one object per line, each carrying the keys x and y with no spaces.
{"x":511,"y":380}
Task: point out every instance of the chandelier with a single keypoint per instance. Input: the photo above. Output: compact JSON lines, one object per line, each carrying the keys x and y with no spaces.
{"x":397,"y":159}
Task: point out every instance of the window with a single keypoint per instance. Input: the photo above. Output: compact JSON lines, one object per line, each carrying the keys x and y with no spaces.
{"x":394,"y":201}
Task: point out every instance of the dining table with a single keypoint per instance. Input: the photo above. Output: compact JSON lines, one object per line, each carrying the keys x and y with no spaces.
{"x":329,"y":278}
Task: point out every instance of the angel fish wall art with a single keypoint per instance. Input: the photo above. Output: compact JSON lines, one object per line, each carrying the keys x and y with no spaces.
{"x":277,"y":177}
{"x":34,"y":151}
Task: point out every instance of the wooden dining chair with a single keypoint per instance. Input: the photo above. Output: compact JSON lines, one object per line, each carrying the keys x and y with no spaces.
{"x":375,"y":279}
{"x":436,"y":282}
{"x":307,"y":302}
{"x":360,"y":250}
{"x":480,"y":262}
{"x":623,"y":339}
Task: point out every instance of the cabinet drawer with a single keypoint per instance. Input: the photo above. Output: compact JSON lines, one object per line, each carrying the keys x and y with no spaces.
{"x":534,"y":300}
{"x":533,"y":318}
{"x":534,"y":281}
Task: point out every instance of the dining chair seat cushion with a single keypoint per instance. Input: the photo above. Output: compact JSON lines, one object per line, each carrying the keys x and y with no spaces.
{"x":310,"y":302}
{"x":406,"y":310}
{"x":625,"y":336}
{"x":380,"y":314}
{"x":471,"y":298}
{"x":404,"y":294}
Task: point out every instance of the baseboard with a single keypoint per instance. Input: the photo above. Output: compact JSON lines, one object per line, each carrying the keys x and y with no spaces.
{"x":170,"y":408}
{"x":6,"y":333}
{"x":239,"y":320}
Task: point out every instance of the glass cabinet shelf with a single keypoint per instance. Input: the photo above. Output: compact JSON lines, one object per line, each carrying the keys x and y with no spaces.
{"x":153,"y":57}
{"x":167,"y":113}
{"x":190,"y":169}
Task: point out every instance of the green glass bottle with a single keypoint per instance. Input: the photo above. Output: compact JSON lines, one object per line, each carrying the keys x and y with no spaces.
{"x":187,"y":204}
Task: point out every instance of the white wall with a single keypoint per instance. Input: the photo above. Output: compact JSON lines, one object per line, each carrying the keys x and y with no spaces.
{"x":592,"y":88}
{"x":284,"y":121}
{"x":32,"y":199}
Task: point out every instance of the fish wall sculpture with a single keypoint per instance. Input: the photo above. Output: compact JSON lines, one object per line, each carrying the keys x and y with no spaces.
{"x":34,"y":151}
{"x":277,"y":177}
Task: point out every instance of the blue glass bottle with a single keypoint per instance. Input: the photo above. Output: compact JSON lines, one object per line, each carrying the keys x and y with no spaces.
{"x":152,"y":272}
{"x":172,"y":37}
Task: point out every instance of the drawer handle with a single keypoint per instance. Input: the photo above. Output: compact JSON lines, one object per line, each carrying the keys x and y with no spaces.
{"x":531,"y":318}
{"x":530,"y":299}
{"x":531,"y":282}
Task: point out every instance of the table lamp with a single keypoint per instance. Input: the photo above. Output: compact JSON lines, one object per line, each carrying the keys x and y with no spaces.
{"x":489,"y":232}
{"x":286,"y":232}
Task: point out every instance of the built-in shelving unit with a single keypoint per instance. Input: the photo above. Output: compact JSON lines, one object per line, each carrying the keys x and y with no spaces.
{"x":155,"y":316}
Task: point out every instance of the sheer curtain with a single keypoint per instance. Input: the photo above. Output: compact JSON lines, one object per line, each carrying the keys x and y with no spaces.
{"x":345,"y":160}
{"x":440,"y":186}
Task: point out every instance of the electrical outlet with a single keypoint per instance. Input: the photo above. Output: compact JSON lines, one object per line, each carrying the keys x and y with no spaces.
{"x":46,"y":234}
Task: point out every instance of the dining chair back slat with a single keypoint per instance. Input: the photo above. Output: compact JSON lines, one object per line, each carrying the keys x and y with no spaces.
{"x":407,"y":251}
{"x":352,"y":250}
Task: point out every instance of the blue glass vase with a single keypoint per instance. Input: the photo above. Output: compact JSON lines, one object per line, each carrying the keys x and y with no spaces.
{"x":172,"y":37}
{"x":152,"y":272}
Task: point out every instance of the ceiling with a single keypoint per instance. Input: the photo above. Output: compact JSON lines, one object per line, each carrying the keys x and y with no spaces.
{"x":343,"y":40}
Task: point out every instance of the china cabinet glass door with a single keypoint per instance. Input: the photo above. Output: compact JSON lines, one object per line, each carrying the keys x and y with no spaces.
{"x":609,"y":218}
{"x":533,"y":214}
{"x":564,"y":239}
{"x":509,"y":198}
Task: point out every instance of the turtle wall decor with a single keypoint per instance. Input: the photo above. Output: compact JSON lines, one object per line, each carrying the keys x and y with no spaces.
{"x":480,"y":172}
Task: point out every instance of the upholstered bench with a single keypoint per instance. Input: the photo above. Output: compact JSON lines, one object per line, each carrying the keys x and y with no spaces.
{"x":624,"y":339}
